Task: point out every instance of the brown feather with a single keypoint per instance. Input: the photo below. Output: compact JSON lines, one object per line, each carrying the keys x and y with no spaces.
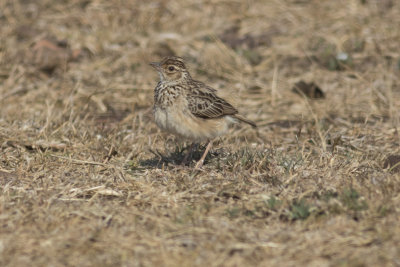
{"x":204,"y":103}
{"x":243,"y":119}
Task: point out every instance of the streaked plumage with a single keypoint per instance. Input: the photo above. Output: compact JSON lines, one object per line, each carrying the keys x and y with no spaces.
{"x":189,"y":108}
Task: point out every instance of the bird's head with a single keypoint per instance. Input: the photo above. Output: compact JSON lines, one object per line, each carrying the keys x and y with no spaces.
{"x":171,"y":69}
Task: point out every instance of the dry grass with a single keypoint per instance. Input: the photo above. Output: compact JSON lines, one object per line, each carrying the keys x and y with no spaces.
{"x":87,"y":179}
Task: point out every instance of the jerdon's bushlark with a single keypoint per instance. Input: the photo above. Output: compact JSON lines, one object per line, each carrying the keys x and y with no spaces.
{"x":189,"y":108}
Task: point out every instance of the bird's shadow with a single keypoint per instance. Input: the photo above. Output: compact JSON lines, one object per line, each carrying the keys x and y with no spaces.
{"x":176,"y":157}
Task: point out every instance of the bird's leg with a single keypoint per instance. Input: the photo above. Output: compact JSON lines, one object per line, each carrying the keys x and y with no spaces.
{"x":188,"y":155}
{"x":199,"y":164}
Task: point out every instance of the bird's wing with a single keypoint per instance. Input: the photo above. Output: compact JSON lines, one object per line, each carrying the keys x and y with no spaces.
{"x":204,"y":103}
{"x":203,"y":87}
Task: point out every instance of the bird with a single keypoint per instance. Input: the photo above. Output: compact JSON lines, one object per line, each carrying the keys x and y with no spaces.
{"x":190,"y":109}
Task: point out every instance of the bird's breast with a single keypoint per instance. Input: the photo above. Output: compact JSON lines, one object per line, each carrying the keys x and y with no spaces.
{"x":166,"y":96}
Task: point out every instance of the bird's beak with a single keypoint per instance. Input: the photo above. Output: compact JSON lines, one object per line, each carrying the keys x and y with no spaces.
{"x":155,"y":65}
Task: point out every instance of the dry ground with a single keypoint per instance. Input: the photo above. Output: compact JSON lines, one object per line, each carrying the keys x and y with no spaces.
{"x":87,"y":179}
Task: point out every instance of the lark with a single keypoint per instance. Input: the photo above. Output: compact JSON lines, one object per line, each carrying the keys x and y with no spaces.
{"x":190,"y":109}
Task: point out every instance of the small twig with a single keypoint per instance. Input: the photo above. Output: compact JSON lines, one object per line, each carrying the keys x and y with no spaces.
{"x":78,"y":161}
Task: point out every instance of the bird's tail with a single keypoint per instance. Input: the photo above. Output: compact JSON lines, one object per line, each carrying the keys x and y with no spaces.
{"x":243,"y":119}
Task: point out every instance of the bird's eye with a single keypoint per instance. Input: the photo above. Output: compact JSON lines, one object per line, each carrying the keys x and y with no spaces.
{"x":171,"y":68}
